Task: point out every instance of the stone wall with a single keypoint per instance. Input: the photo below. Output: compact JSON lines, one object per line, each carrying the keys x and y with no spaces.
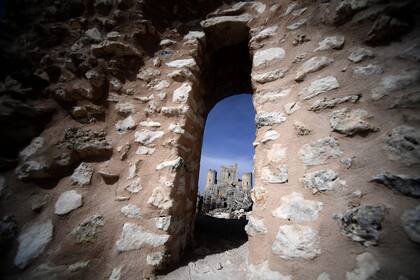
{"x":108,"y":188}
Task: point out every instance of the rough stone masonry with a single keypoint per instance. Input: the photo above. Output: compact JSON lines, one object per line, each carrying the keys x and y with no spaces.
{"x":102,"y":111}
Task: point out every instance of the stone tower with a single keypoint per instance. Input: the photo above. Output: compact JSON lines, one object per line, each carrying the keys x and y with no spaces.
{"x":211,"y":178}
{"x":228,"y":174}
{"x":247,"y":181}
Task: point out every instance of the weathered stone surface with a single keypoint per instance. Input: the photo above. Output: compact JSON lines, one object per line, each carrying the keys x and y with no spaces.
{"x":267,"y":77}
{"x":82,"y":175}
{"x":143,"y":150}
{"x":269,"y":118}
{"x":404,"y":184}
{"x":328,"y":103}
{"x":368,"y":70}
{"x":314,"y":64}
{"x":269,"y":135}
{"x":351,"y":122}
{"x":155,"y":258}
{"x":408,"y":100}
{"x":171,"y":164}
{"x":147,"y":137}
{"x":32,"y":242}
{"x":181,"y":94}
{"x":323,"y":276}
{"x":265,"y":33}
{"x":126,"y":124}
{"x":255,"y":226}
{"x":131,"y":211}
{"x":263,"y":272}
{"x":134,"y":186}
{"x":291,"y":107}
{"x":150,"y":123}
{"x":88,"y":230}
{"x":93,"y":34}
{"x":362,"y":224}
{"x":392,"y":83}
{"x":301,"y":129}
{"x":182,"y":75}
{"x":366,"y":268}
{"x":296,"y":241}
{"x":295,"y":208}
{"x":332,"y":42}
{"x":403,"y":144}
{"x":410,"y":221}
{"x":275,"y":175}
{"x":319,"y":86}
{"x":276,"y":153}
{"x":360,"y":55}
{"x":180,"y":63}
{"x":67,"y":202}
{"x":320,"y":181}
{"x":113,"y":48}
{"x":191,"y":35}
{"x":296,"y":25}
{"x":260,"y":98}
{"x":320,"y":151}
{"x":148,"y":74}
{"x":161,"y":198}
{"x":265,"y":56}
{"x":134,"y":237}
{"x":163,"y":223}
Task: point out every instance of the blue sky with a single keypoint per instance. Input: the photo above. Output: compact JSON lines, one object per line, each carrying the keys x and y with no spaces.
{"x":228,"y":136}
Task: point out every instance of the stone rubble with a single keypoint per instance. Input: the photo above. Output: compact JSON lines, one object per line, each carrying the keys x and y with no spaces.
{"x":67,"y":202}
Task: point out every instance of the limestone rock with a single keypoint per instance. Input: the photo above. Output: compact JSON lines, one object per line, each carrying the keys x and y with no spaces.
{"x":161,"y":198}
{"x":159,"y":85}
{"x":275,"y":175}
{"x":93,"y":34}
{"x":163,"y":223}
{"x":255,"y":226}
{"x":113,"y":48}
{"x":368,"y":70}
{"x":323,"y":276}
{"x":182,"y":75}
{"x":408,"y":100}
{"x":126,"y":124}
{"x":269,"y":118}
{"x":296,"y":25}
{"x":88,"y":230}
{"x":393,"y":83}
{"x":155,"y":258}
{"x":362,"y":224}
{"x":351,"y":122}
{"x":149,"y":123}
{"x":191,"y":35}
{"x":181,"y":63}
{"x":182,"y":93}
{"x":260,"y":98}
{"x":67,"y":202}
{"x":301,"y":129}
{"x":296,"y":241}
{"x":314,"y":64}
{"x":131,"y":211}
{"x":143,"y":150}
{"x":410,"y":221}
{"x":277,"y":153}
{"x":134,"y":237}
{"x":320,"y":151}
{"x":328,"y":103}
{"x":269,"y":135}
{"x":366,"y":268}
{"x":360,"y":55}
{"x":171,"y":164}
{"x":319,"y":86}
{"x":32,"y":242}
{"x":148,"y":74}
{"x":404,"y":184}
{"x":263,"y":272}
{"x":332,"y":42}
{"x":291,"y":107}
{"x":82,"y":175}
{"x":320,"y":181}
{"x":134,"y":186}
{"x":166,"y":42}
{"x":115,"y":273}
{"x":265,"y":33}
{"x":403,"y":144}
{"x":295,"y":208}
{"x":265,"y":56}
{"x":268,"y":76}
{"x":147,"y":137}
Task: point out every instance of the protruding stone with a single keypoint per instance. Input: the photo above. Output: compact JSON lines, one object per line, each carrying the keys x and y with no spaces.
{"x":148,"y":74}
{"x":32,"y":242}
{"x":269,"y":135}
{"x":82,"y":175}
{"x":392,"y":83}
{"x":255,"y":226}
{"x":403,"y":144}
{"x":134,"y":186}
{"x":154,"y":258}
{"x":320,"y":181}
{"x":328,"y":103}
{"x":362,"y":224}
{"x":147,"y":137}
{"x":172,"y":164}
{"x":87,"y":231}
{"x":301,"y":128}
{"x":269,"y":119}
{"x":366,"y":268}
{"x":181,"y":94}
{"x":134,"y":237}
{"x":320,"y":151}
{"x":407,"y":185}
{"x":295,"y":242}
{"x":319,"y":86}
{"x":295,"y":208}
{"x":269,"y":76}
{"x":67,"y":202}
{"x":368,"y":70}
{"x":265,"y":56}
{"x":180,"y":63}
{"x":113,"y":48}
{"x":126,"y":124}
{"x":360,"y":55}
{"x":351,"y":122}
{"x":323,"y":276}
{"x":314,"y":64}
{"x":410,"y":221}
{"x":265,"y":33}
{"x":143,"y":150}
{"x":332,"y":42}
{"x":131,"y":211}
{"x":263,"y":272}
{"x":260,"y":98}
{"x":275,"y":175}
{"x":115,"y":273}
{"x":192,"y":35}
{"x":276,"y":153}
{"x":93,"y":34}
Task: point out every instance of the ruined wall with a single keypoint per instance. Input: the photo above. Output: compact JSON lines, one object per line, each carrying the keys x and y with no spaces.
{"x":108,"y":188}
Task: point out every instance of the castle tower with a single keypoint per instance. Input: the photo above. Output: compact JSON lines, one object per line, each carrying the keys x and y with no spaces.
{"x":211,"y":178}
{"x":247,"y":181}
{"x":228,"y":174}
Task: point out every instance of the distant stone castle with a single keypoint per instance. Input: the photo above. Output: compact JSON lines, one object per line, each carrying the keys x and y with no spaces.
{"x":226,"y":197}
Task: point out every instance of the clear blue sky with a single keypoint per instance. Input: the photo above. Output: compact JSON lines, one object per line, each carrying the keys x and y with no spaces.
{"x":228,"y":136}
